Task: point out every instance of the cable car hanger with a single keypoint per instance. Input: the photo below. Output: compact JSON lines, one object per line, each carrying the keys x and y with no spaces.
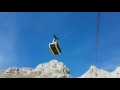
{"x":54,"y":46}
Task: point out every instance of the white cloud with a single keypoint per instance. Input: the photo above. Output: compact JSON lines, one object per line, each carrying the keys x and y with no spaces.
{"x":8,"y":33}
{"x":85,"y":47}
{"x":65,"y":36}
{"x":111,"y":61}
{"x":108,"y":55}
{"x":109,"y":50}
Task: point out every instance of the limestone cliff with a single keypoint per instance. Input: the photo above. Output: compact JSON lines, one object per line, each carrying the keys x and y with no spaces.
{"x":52,"y":69}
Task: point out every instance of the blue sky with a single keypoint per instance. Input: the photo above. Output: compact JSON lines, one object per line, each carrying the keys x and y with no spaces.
{"x":24,"y":41}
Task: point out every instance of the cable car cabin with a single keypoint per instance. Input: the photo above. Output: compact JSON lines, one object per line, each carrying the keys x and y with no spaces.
{"x":55,"y":48}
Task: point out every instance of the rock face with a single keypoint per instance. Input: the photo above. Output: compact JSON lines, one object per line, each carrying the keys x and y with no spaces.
{"x":94,"y":72}
{"x":55,"y":69}
{"x":52,"y":69}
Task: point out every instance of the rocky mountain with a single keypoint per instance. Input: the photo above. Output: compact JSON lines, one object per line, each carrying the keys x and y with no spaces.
{"x":94,"y":72}
{"x":52,"y":69}
{"x":55,"y":69}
